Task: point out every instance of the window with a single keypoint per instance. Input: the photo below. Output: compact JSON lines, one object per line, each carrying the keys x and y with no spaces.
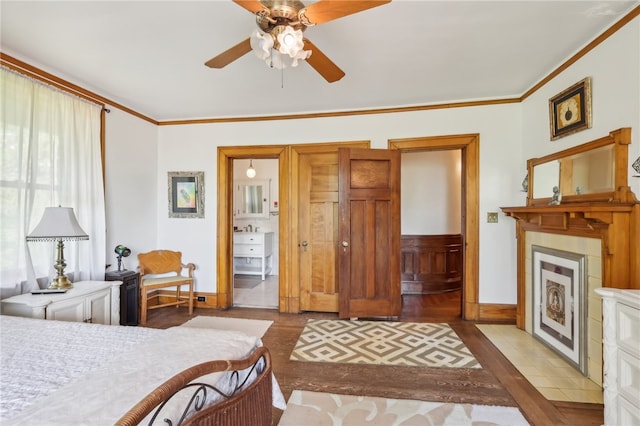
{"x":50,"y":155}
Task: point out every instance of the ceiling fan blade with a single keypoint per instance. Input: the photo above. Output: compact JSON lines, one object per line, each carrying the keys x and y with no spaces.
{"x":328,"y":10}
{"x":322,"y":64}
{"x":230,"y":55}
{"x":253,"y":6}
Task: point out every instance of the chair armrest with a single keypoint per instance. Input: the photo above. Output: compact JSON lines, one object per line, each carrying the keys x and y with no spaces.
{"x":190,"y":266}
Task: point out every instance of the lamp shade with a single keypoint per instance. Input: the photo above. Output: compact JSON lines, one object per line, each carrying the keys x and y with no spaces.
{"x":58,"y":223}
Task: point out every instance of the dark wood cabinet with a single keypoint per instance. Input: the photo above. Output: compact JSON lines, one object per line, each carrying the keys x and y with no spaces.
{"x":129,"y":291}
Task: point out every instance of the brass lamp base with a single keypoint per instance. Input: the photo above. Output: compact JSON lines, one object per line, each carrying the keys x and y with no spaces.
{"x":60,"y":281}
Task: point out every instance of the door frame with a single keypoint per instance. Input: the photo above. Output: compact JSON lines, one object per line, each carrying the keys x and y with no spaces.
{"x":470,"y":158}
{"x":224,"y":243}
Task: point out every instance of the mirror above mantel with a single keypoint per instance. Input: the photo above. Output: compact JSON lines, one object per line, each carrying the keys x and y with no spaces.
{"x":595,"y":202}
{"x":592,"y":172}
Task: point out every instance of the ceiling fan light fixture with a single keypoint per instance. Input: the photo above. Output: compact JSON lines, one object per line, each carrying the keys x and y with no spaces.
{"x":261,"y":44}
{"x":290,"y":41}
{"x":281,"y":48}
{"x":303,"y":54}
{"x":278,"y":40}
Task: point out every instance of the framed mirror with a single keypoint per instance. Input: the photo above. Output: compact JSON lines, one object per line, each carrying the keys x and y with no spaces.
{"x":252,"y":198}
{"x":594,"y":171}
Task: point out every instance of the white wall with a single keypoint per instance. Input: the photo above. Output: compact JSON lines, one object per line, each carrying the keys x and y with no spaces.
{"x":614,"y":68}
{"x":131,"y":161}
{"x":430,"y":193}
{"x":509,"y":134}
{"x":193,"y":147}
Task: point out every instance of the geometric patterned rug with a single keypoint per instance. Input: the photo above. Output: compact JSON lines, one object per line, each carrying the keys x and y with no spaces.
{"x":382,"y":343}
{"x":324,"y":409}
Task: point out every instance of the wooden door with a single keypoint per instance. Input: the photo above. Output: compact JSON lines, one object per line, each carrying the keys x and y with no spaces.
{"x":318,"y":223}
{"x":369,"y":233}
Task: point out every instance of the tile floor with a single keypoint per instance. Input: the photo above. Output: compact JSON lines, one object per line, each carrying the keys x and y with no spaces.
{"x":549,"y":373}
{"x":249,"y":291}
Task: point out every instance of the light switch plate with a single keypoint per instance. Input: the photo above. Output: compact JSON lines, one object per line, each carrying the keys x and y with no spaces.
{"x":492,"y":217}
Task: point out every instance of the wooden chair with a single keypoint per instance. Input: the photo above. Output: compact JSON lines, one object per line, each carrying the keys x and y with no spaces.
{"x":163,"y":262}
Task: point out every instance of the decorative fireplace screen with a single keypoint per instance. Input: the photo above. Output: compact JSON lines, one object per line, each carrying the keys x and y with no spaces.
{"x":559,"y":303}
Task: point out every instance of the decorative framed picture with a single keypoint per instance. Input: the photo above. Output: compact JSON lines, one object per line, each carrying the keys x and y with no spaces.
{"x":570,"y":110}
{"x":186,"y":194}
{"x":559,"y":281}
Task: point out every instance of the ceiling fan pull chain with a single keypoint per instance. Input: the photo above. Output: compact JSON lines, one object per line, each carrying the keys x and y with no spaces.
{"x":282,"y":78}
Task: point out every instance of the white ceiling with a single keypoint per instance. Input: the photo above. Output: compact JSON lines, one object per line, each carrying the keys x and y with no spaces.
{"x":149,"y":55}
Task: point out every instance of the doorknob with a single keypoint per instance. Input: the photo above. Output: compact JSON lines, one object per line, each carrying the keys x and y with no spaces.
{"x":345,"y":244}
{"x":304,"y":244}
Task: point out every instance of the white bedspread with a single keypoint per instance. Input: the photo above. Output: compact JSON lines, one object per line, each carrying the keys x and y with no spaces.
{"x":96,"y":385}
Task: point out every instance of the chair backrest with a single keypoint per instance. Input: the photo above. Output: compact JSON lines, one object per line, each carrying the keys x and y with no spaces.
{"x":160,"y":262}
{"x":249,"y":403}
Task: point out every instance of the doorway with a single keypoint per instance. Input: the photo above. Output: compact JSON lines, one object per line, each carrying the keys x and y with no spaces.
{"x":225,"y":223}
{"x":255,"y":233}
{"x":289,"y":285}
{"x":469,"y":148}
{"x":431,"y":219}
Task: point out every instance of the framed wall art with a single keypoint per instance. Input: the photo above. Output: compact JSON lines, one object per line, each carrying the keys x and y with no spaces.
{"x":186,"y":194}
{"x":570,"y":110}
{"x":559,"y":303}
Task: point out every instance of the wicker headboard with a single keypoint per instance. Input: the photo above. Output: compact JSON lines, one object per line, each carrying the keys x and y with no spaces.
{"x":250,"y":403}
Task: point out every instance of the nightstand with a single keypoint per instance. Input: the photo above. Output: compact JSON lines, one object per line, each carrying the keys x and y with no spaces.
{"x":129,"y":291}
{"x":88,"y":301}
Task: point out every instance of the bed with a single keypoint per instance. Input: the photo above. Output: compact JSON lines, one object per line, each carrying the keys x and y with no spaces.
{"x":69,"y":373}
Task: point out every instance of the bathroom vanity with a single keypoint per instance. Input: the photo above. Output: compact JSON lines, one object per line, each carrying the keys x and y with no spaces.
{"x":248,"y":246}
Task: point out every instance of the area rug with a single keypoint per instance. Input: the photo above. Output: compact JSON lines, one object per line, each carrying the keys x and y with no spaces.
{"x":320,"y":409}
{"x":382,"y":343}
{"x":251,"y":327}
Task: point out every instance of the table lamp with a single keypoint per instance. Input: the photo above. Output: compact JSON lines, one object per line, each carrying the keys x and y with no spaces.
{"x":58,"y":224}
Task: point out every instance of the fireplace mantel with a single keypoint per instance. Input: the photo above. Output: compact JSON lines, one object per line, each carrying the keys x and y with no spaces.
{"x":617,"y":225}
{"x":605,"y":209}
{"x":589,"y":220}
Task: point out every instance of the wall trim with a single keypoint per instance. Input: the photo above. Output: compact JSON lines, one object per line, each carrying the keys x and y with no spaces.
{"x":65,"y":85}
{"x":496,"y":312}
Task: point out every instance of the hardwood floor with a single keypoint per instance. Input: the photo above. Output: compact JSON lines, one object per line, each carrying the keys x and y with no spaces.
{"x":497,"y":383}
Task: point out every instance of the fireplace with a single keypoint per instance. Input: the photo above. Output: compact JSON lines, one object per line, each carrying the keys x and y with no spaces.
{"x":558,"y":303}
{"x":600,"y":226}
{"x":584,"y":257}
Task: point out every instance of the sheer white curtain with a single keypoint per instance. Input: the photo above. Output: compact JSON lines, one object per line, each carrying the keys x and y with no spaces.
{"x":50,"y":156}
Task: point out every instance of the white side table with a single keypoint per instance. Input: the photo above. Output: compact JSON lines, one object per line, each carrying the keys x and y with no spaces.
{"x":88,"y":301}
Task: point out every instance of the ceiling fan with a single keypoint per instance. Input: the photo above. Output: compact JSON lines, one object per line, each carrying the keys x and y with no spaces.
{"x":279,"y":41}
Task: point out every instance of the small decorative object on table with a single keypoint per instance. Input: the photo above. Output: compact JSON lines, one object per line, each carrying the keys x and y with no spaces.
{"x":121,"y":251}
{"x":525,"y":183}
{"x":555,"y":200}
{"x":636,"y":167}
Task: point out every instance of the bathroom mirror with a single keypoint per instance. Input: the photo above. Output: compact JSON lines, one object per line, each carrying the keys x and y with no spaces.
{"x":252,"y":198}
{"x":594,"y":171}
